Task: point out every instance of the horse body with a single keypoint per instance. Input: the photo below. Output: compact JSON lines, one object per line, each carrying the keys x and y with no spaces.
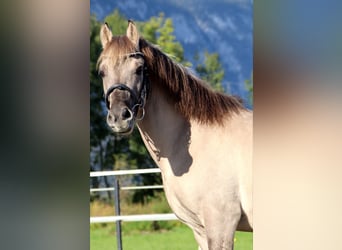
{"x":205,"y":170}
{"x":201,"y":140}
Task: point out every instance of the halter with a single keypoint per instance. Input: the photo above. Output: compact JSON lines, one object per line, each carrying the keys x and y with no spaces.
{"x":139,"y":101}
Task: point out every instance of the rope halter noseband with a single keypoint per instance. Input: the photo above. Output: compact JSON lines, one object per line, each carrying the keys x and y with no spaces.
{"x":138,"y":100}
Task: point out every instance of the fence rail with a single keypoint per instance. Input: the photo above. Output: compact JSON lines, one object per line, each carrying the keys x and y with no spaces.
{"x":137,"y":217}
{"x":127,"y":188}
{"x":124,"y":172}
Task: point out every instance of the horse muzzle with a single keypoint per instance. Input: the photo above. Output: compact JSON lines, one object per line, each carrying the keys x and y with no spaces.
{"x":122,"y":121}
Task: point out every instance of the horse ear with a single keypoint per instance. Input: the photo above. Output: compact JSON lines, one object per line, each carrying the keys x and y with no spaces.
{"x":133,"y":34}
{"x":105,"y":35}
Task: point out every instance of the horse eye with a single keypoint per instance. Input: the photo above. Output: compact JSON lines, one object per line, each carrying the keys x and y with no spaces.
{"x":139,"y":70}
{"x":101,"y":73}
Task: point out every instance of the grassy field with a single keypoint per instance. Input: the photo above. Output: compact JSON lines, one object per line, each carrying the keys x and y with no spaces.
{"x":162,"y":235}
{"x":178,"y":238}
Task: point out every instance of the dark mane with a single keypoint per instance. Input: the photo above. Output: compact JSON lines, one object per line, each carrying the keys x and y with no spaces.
{"x":192,"y":96}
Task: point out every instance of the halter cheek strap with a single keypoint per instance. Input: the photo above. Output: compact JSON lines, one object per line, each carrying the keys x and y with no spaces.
{"x":141,"y":104}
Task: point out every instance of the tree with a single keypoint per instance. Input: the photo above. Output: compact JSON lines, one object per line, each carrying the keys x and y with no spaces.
{"x":249,"y":87}
{"x":159,"y":30}
{"x":211,"y":70}
{"x":117,"y":22}
{"x":167,"y":41}
{"x":102,"y":143}
{"x":150,"y":28}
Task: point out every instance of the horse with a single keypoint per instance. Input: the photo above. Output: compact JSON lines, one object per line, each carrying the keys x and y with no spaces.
{"x":200,"y":139}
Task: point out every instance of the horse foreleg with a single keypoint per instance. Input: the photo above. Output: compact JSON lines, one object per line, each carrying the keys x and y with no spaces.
{"x":201,"y":240}
{"x":220,"y":230}
{"x":222,"y":240}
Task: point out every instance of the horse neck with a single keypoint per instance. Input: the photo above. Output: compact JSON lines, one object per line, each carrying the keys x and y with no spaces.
{"x":164,"y":131}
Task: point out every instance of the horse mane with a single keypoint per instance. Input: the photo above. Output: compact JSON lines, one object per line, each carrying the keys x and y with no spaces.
{"x":192,"y":96}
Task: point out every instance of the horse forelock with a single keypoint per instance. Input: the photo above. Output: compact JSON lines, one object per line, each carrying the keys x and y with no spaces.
{"x":118,"y":47}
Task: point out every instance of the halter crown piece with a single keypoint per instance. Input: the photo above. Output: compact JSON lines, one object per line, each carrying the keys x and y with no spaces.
{"x":139,"y":101}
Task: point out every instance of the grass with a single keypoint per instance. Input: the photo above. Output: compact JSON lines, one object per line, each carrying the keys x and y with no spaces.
{"x":243,"y":241}
{"x":178,"y":238}
{"x":161,"y":235}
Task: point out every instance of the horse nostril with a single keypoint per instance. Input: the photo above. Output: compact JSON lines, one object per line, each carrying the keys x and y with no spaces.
{"x":111,"y":118}
{"x":126,"y":114}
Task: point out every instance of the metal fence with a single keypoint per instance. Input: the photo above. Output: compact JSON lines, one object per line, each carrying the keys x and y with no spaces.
{"x":116,"y":189}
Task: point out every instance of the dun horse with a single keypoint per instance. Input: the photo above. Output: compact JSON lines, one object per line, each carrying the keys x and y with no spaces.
{"x":200,"y":139}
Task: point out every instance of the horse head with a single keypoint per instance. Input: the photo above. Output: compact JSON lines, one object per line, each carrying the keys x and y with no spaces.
{"x":122,"y":68}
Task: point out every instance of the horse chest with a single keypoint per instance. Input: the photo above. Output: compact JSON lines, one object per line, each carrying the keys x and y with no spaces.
{"x":185,"y":211}
{"x":184,"y":199}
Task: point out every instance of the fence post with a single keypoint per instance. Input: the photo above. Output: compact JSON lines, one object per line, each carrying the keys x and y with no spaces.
{"x":117,"y":212}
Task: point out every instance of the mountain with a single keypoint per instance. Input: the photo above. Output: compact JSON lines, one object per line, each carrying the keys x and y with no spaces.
{"x":222,"y":26}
